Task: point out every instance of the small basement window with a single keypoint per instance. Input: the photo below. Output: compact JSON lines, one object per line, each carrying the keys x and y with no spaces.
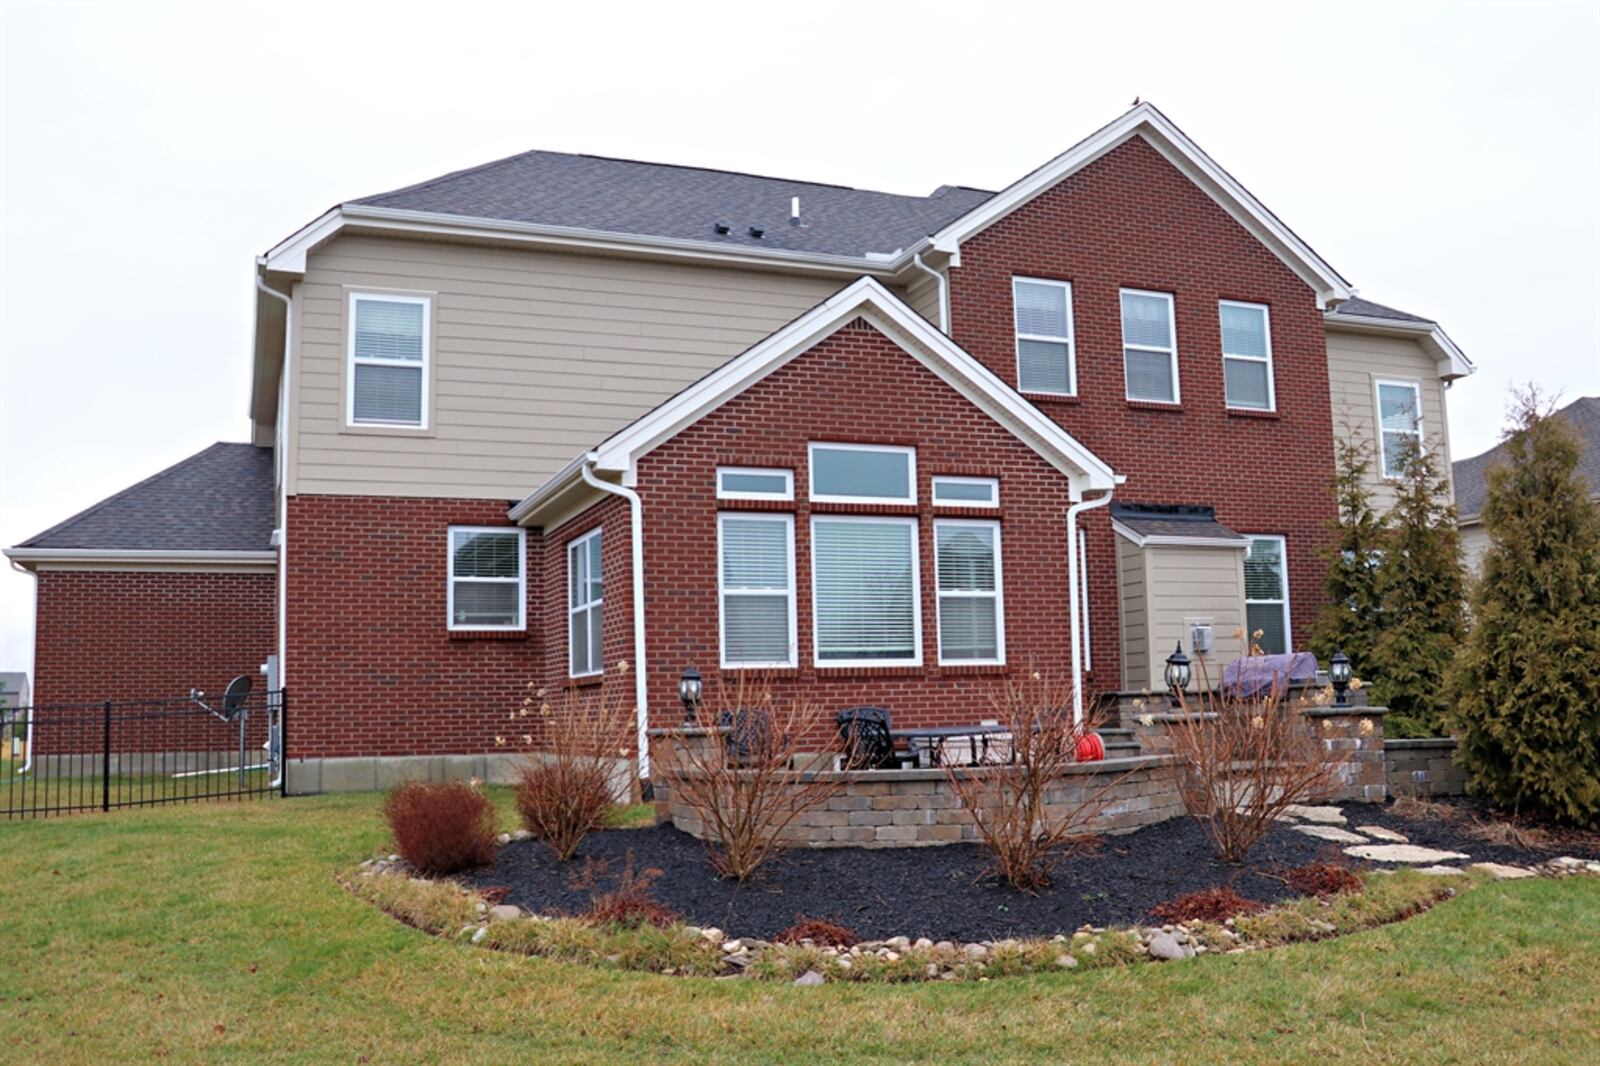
{"x":863,"y":473}
{"x":487,"y":587}
{"x":753,"y":483}
{"x":966,"y":492}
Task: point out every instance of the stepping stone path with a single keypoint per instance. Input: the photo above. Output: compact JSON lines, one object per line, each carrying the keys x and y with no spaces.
{"x":1324,"y":823}
{"x":1501,"y":872}
{"x":1333,"y":833}
{"x":1323,"y":815}
{"x":1408,"y":853}
{"x":1378,"y":832}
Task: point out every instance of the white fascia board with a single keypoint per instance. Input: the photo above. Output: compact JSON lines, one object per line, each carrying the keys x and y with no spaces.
{"x":868,"y":299}
{"x":1144,"y":120}
{"x":1158,"y":541}
{"x":524,"y":511}
{"x":1450,"y":361}
{"x":118,"y":558}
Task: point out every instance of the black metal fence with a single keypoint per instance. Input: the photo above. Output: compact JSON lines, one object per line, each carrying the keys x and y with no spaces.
{"x":67,"y":757}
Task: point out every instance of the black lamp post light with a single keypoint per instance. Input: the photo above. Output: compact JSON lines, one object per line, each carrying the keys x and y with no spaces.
{"x":1339,"y":674}
{"x":690,"y":688}
{"x":1177,"y":674}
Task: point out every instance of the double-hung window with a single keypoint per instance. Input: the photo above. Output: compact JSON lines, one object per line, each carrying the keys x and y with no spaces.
{"x":388,"y":382}
{"x":1247,"y":355}
{"x":863,"y":473}
{"x":971,"y":606}
{"x":1149,"y":346}
{"x":1043,"y":311}
{"x":487,"y":588}
{"x":585,"y":598}
{"x":1399,"y":424}
{"x":1266,"y":594}
{"x":755,"y":569}
{"x":865,"y":581}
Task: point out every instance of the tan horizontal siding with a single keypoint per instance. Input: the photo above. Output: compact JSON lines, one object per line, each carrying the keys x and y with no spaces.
{"x":1355,"y":362}
{"x":1135,"y":616}
{"x":1164,"y":588}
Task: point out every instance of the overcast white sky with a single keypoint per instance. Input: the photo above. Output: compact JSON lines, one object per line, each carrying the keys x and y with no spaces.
{"x":1444,"y":157}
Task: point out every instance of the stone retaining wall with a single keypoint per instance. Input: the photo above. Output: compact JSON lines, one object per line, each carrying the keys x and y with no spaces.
{"x":1423,"y":767}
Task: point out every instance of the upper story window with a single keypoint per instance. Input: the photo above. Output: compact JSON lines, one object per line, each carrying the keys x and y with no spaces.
{"x":1247,"y":355}
{"x":585,"y":598}
{"x":487,"y":587}
{"x":751,"y":483}
{"x":966,"y":492}
{"x":1149,"y":346}
{"x":863,"y":473}
{"x":755,"y":573}
{"x":1399,"y":424}
{"x":388,"y":383}
{"x":1045,"y":361}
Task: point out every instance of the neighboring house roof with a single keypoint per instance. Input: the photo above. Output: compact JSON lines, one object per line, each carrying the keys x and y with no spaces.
{"x":1177,"y":524}
{"x":1366,"y":308}
{"x":1471,"y":476}
{"x":1364,"y":316}
{"x":220,"y":499}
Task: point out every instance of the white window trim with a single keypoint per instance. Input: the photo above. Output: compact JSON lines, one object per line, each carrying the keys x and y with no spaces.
{"x":989,"y":504}
{"x":911,"y":471}
{"x":594,"y":606}
{"x":1069,"y":339}
{"x":916,"y":593}
{"x":1172,"y":332}
{"x":1377,"y":410}
{"x":522,"y":579}
{"x":729,"y":494}
{"x":351,"y":361}
{"x":1266,"y":325}
{"x":1288,"y":627}
{"x":722,"y":594}
{"x":998,"y":595}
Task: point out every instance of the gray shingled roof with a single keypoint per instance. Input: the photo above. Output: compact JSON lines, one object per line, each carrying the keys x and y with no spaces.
{"x":1167,"y":520}
{"x":661,"y":200}
{"x":1471,"y":475}
{"x":220,"y":499}
{"x":1367,"y":309}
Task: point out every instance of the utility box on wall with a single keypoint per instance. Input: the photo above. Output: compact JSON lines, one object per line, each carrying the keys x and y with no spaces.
{"x":1200,"y":637}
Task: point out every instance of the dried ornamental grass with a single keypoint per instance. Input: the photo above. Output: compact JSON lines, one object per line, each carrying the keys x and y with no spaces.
{"x":441,"y":827}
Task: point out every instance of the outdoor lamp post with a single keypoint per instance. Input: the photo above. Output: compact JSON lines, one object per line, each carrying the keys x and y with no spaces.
{"x":1339,"y":674}
{"x":689,"y":690}
{"x":1177,"y":674}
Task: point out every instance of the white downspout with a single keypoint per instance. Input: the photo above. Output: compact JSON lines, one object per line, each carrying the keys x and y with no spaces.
{"x":944,"y":292}
{"x":27,"y":761}
{"x":636,"y":548}
{"x":1075,"y":595}
{"x":280,"y":459}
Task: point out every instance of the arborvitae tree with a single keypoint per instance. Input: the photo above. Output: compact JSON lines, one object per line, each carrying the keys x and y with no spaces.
{"x":1419,"y":584}
{"x":1526,"y":688}
{"x":1349,"y":618}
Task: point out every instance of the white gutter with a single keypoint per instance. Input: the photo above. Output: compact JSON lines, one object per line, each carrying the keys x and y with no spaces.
{"x":198,"y":559}
{"x":636,"y":548}
{"x":944,"y":291}
{"x":1074,"y":596}
{"x":281,"y":447}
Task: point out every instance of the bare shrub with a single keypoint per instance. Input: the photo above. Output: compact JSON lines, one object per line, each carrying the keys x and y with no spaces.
{"x":567,"y":784}
{"x":750,"y":777}
{"x":1023,"y":833}
{"x":441,"y":827}
{"x":820,"y":931}
{"x":630,"y":904}
{"x":1323,"y":879}
{"x":1207,"y":905}
{"x":1244,"y":759}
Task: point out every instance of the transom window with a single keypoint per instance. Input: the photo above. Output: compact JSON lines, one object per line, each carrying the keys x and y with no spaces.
{"x":753,"y":483}
{"x":755,"y":568}
{"x":388,"y":384}
{"x":865,"y":602}
{"x":585,"y":597}
{"x":966,"y":492}
{"x":1149,"y":346}
{"x":971,"y":613}
{"x":1399,"y":423}
{"x":1045,"y":361}
{"x":487,"y":588}
{"x":1247,"y":355}
{"x":1266,"y":594}
{"x":863,"y":473}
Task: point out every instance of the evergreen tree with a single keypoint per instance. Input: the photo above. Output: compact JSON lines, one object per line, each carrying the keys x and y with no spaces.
{"x":1526,"y":688}
{"x":1349,"y":618}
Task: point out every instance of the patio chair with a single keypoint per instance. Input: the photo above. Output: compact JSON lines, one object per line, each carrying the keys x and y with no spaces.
{"x":749,"y":733}
{"x":867,"y":742}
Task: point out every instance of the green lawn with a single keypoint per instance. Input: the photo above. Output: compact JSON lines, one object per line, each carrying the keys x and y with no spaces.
{"x":218,"y":933}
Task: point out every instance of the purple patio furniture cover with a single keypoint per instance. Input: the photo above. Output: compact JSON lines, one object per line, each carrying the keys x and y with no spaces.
{"x":1254,"y":674}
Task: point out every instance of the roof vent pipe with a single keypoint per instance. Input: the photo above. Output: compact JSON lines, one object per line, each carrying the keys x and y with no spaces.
{"x":794,"y":211}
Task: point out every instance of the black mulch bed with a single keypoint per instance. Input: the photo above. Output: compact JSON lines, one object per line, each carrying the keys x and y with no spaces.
{"x":942,"y":892}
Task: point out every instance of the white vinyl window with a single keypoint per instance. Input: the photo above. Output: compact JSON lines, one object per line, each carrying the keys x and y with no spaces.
{"x":1149,"y":346}
{"x":1247,"y":355}
{"x":755,"y":574}
{"x":972,"y":626}
{"x":388,"y":383}
{"x":1043,"y":313}
{"x":966,"y":492}
{"x":1266,"y":594}
{"x":487,"y":585}
{"x":585,"y":598}
{"x":865,"y":591}
{"x":863,"y":473}
{"x":753,"y":483}
{"x":1399,"y":423}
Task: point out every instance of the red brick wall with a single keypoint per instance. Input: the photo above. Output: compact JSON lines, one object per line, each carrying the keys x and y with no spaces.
{"x":616,"y":610}
{"x":856,"y":386}
{"x":1131,"y":220}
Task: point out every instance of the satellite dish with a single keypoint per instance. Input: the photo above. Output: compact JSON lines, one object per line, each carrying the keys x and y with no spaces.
{"x":233,"y":698}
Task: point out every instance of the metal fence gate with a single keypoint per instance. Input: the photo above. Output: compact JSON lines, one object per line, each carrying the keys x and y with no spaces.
{"x":67,"y":757}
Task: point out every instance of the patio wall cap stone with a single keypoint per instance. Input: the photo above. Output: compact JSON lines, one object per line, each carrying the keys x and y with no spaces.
{"x":689,"y":731}
{"x":1124,"y":764}
{"x":1349,"y":711}
{"x":1415,"y":743}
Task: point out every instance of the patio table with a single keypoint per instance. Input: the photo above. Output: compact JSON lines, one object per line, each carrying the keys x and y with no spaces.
{"x":936,"y":736}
